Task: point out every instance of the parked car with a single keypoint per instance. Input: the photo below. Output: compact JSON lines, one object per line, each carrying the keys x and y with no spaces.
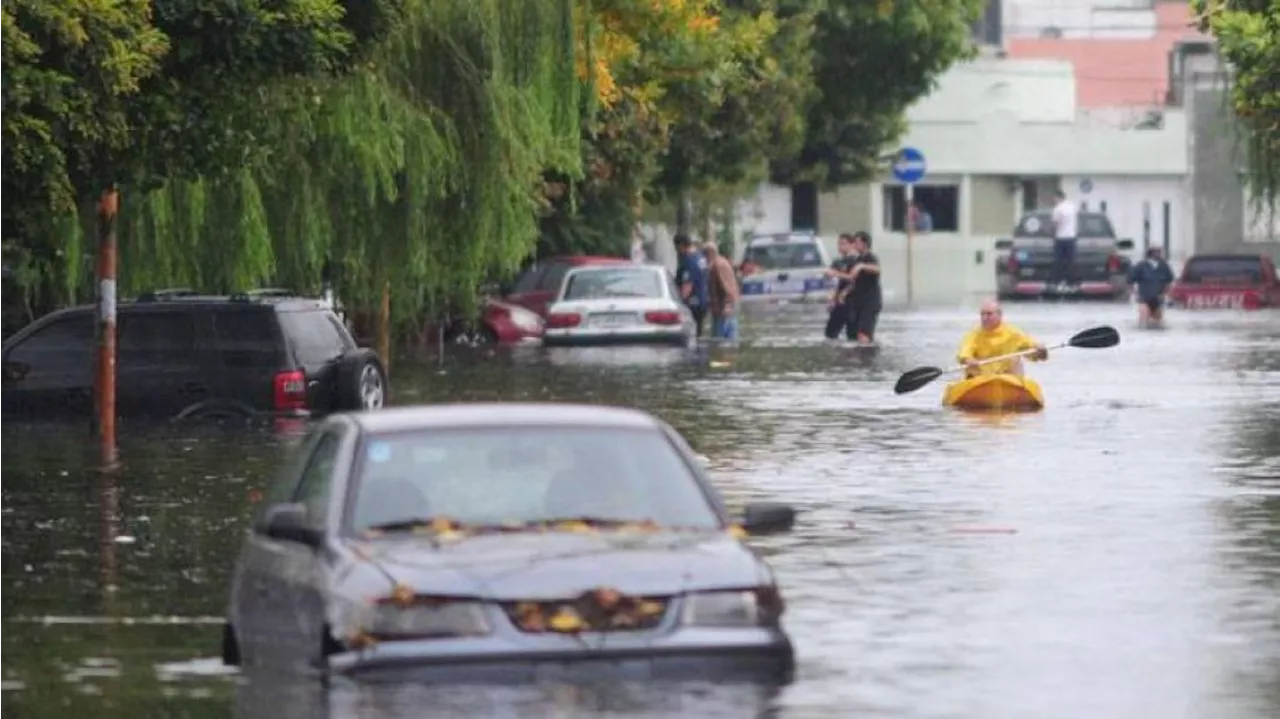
{"x":1246,"y":282}
{"x":184,"y":355}
{"x":499,"y":323}
{"x":458,"y":540}
{"x":1026,"y":267}
{"x":540,"y":283}
{"x":630,"y":303}
{"x":785,"y":266}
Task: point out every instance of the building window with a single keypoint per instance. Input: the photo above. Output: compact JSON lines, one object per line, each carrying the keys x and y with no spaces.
{"x":942,"y":202}
{"x":1030,"y":195}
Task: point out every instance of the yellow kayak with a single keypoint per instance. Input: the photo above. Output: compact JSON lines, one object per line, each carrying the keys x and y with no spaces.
{"x":995,"y":392}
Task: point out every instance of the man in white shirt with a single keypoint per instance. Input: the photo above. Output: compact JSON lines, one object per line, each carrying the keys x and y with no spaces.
{"x":1065,"y":215}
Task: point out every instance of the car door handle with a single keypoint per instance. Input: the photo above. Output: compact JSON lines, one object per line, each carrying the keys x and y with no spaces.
{"x":193,"y":388}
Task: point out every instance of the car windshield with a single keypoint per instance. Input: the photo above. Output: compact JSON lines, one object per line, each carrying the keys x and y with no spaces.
{"x":784,"y":255}
{"x":520,"y":476}
{"x":1223,"y":270}
{"x":613,"y":282}
{"x":1088,"y":225}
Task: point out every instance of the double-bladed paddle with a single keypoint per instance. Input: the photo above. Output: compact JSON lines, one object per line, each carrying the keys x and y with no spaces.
{"x":1095,"y":338}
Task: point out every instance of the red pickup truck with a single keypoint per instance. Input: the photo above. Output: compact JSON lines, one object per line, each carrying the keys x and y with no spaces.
{"x":1246,"y":282}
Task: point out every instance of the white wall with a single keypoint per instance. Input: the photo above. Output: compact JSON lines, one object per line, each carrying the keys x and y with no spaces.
{"x":1128,"y":198}
{"x":1031,"y":90}
{"x":1111,"y":19}
{"x":768,"y":210}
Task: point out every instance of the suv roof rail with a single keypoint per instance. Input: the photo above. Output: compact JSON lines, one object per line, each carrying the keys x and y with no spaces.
{"x":260,"y":293}
{"x":166,"y":294}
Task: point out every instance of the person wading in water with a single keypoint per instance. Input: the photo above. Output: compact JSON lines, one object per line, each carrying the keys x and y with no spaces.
{"x":722,"y":289}
{"x":837,"y":310}
{"x":691,"y":278}
{"x":864,"y":300}
{"x":1151,"y":279}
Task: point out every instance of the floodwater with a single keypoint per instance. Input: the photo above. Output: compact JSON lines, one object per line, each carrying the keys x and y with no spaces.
{"x":1116,"y":556}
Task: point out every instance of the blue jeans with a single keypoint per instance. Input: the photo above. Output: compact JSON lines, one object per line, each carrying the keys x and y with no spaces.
{"x":1064,"y":254}
{"x":725,"y":328}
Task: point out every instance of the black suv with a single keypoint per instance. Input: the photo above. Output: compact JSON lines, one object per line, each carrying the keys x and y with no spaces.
{"x":184,"y":355}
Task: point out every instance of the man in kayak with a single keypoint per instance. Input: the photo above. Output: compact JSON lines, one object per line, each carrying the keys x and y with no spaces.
{"x":993,"y":338}
{"x":1151,"y":278}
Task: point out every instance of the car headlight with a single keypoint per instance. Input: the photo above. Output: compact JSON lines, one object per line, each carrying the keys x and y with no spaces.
{"x":426,"y":619}
{"x":746,"y":608}
{"x":524,"y":319}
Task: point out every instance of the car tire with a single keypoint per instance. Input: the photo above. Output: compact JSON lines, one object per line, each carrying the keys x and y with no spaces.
{"x":360,"y":382}
{"x":481,"y":336}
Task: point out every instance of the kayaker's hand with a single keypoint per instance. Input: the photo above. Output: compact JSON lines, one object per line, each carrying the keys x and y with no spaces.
{"x":1041,"y":353}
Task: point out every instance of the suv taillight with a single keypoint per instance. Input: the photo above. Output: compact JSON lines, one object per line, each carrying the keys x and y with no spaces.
{"x":290,"y":390}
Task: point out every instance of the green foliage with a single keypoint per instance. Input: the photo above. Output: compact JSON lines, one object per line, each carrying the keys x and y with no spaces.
{"x":1248,"y":33}
{"x":872,"y":60}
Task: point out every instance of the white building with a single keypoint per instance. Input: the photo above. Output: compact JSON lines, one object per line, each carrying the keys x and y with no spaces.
{"x":999,"y":136}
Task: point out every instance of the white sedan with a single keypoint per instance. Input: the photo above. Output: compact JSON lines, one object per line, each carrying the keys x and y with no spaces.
{"x":618,"y":304}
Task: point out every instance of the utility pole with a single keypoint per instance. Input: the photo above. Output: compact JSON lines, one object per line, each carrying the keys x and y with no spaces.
{"x":105,"y":377}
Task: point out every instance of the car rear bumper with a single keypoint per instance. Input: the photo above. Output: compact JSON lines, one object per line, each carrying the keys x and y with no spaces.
{"x":756,"y":654}
{"x":1012,"y":287}
{"x":581,"y":337}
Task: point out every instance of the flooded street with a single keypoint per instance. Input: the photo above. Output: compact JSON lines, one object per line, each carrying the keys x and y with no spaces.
{"x":1115,"y":556}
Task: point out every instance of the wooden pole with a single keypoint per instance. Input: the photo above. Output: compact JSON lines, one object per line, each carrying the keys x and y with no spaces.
{"x":384,"y":328}
{"x":105,"y":376}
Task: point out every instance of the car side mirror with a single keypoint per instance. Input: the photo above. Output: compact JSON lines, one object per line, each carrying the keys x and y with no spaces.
{"x":288,"y":522}
{"x":760,"y":518}
{"x":1004,"y":243}
{"x":1125,"y":245}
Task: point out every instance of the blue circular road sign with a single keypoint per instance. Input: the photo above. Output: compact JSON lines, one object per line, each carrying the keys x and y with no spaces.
{"x":908,"y":166}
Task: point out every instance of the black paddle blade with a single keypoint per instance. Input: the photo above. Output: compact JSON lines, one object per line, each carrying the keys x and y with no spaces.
{"x":915,"y":379}
{"x":1096,"y":338}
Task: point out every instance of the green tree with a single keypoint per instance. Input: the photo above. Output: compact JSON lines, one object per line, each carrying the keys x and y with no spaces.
{"x":132,"y":92}
{"x":1248,"y":33}
{"x":873,"y":60}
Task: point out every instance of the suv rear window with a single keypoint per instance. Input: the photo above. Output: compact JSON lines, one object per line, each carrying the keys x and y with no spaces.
{"x":1088,"y":224}
{"x":781,"y":255}
{"x":1223,"y":270}
{"x":315,"y":335}
{"x":248,"y":337}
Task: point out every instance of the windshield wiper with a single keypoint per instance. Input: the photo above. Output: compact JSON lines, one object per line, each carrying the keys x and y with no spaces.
{"x":400,"y":525}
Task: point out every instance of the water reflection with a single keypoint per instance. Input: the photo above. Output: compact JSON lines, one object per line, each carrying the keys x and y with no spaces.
{"x":285,"y":700}
{"x":1117,"y":555}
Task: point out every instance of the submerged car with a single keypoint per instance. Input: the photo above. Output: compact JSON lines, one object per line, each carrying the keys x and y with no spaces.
{"x":785,"y":266}
{"x":611,"y":304}
{"x":504,"y":541}
{"x":1242,"y":282}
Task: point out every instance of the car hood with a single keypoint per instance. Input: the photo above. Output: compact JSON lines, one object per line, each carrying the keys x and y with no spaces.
{"x":560,"y":565}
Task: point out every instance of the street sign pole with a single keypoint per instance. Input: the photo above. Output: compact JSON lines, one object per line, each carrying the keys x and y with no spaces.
{"x":909,"y":168}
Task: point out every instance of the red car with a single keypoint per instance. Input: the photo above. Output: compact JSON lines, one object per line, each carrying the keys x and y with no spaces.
{"x":1246,"y":282}
{"x":539,"y":284}
{"x":500,"y":323}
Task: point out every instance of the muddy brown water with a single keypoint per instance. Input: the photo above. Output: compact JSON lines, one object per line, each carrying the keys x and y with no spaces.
{"x":1115,"y":556}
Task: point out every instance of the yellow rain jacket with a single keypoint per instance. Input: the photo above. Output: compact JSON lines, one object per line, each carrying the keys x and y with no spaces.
{"x":981,"y":343}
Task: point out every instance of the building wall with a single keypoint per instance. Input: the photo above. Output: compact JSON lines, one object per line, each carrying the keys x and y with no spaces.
{"x":1136,"y":206}
{"x":846,"y":209}
{"x":1221,"y":212}
{"x":1094,"y":19}
{"x":994,"y":204}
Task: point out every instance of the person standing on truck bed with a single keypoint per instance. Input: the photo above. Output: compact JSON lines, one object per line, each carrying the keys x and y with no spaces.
{"x":1065,"y":231}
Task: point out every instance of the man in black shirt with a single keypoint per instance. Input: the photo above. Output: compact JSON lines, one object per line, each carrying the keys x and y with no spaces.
{"x":837,"y":309}
{"x":864,"y":296}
